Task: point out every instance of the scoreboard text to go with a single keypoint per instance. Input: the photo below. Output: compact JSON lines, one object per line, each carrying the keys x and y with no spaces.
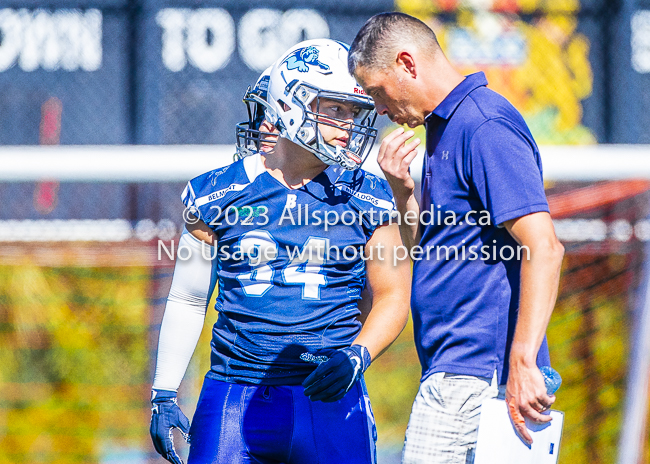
{"x":205,"y":38}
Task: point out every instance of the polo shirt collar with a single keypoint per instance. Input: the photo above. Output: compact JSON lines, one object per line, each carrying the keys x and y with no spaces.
{"x":447,"y":107}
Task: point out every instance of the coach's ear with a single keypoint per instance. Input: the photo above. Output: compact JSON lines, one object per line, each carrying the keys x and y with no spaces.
{"x":406,"y":63}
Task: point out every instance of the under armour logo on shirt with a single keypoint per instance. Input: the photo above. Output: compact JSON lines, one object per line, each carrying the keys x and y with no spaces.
{"x":445,"y":154}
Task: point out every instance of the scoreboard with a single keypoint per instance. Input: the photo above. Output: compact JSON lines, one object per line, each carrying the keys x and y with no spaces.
{"x":174,"y":72}
{"x":149,"y":72}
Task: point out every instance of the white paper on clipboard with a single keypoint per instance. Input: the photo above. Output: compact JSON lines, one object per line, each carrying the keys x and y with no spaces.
{"x":498,"y":443}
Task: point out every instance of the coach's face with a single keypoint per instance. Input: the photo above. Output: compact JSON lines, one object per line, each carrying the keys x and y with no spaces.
{"x":393,"y":92}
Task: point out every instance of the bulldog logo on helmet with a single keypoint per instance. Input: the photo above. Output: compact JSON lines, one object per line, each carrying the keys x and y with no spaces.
{"x":301,"y":58}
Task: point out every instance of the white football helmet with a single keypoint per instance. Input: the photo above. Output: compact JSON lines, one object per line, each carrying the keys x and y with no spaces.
{"x":248,"y":135}
{"x":309,"y":71}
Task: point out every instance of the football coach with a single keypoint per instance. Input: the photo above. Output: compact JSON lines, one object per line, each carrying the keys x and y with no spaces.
{"x":485,"y":277}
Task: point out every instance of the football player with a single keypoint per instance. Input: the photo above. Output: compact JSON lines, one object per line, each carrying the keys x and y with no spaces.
{"x":297,"y":233}
{"x":257,"y":134}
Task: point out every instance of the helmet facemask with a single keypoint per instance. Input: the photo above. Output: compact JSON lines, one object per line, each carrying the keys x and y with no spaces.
{"x":251,"y":138}
{"x":360,"y":133}
{"x":257,"y":134}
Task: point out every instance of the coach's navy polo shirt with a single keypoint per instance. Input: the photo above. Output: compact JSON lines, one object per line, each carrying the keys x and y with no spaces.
{"x":480,"y":157}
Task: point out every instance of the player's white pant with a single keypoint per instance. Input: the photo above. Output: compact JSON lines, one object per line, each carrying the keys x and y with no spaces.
{"x":444,"y":421}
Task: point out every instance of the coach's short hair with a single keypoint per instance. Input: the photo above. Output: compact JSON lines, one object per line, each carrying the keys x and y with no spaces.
{"x":376,"y":42}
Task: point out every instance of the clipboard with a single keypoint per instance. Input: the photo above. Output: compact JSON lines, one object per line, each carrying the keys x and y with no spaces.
{"x":498,"y":443}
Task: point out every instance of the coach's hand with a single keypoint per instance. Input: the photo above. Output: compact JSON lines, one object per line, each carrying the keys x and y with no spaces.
{"x":166,"y":416}
{"x":394,"y":158}
{"x":526,"y":397}
{"x":332,"y":379}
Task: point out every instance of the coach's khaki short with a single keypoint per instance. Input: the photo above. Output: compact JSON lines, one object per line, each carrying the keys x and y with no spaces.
{"x":444,"y":421}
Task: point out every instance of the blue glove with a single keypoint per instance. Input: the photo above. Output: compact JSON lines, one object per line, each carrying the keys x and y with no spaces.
{"x":333,"y":378}
{"x":166,"y":416}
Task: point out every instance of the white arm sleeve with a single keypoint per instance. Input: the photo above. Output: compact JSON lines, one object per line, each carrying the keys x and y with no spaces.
{"x":192,"y":286}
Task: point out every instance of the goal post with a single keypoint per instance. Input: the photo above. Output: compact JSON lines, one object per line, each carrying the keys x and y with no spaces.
{"x":160,"y":163}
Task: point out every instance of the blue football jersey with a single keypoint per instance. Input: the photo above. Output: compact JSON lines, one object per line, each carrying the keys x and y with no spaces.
{"x":290,"y":264}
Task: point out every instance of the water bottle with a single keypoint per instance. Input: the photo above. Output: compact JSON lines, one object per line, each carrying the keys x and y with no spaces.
{"x":552,"y":379}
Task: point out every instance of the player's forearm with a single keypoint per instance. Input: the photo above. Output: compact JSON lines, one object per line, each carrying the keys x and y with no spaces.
{"x":179,"y":334}
{"x":390,"y":285}
{"x":540,"y":277}
{"x":409,"y":212}
{"x":385,"y":322}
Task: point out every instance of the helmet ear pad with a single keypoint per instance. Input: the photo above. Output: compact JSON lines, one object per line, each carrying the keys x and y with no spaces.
{"x":308,"y":134}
